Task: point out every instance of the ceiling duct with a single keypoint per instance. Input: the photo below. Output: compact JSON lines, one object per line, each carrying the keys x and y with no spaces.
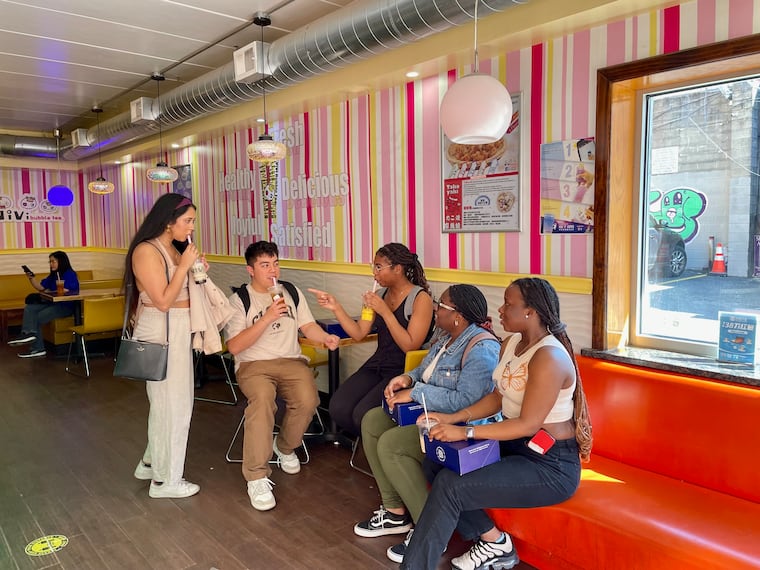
{"x":351,"y":34}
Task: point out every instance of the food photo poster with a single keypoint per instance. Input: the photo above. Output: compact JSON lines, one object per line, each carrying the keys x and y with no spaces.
{"x":481,"y":182}
{"x":567,"y":186}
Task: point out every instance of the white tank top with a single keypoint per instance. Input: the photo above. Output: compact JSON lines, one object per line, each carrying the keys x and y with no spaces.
{"x":511,"y":377}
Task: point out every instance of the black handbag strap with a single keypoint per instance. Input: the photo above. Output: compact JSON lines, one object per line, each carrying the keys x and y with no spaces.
{"x":129,"y":297}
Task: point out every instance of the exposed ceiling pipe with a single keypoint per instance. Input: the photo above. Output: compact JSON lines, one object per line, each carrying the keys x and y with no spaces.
{"x":358,"y":31}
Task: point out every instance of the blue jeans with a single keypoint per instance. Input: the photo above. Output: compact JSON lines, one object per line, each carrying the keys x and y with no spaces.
{"x":37,"y":314}
{"x":521,"y":479}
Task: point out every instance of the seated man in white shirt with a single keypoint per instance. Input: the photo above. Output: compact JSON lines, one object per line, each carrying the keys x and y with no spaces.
{"x":269,"y":364}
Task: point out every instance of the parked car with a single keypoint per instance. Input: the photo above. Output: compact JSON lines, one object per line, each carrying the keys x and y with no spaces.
{"x":666,"y":254}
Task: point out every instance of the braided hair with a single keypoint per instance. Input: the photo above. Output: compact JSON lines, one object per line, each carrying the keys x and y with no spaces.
{"x":541,"y":296}
{"x":471,"y":304}
{"x":399,"y":254}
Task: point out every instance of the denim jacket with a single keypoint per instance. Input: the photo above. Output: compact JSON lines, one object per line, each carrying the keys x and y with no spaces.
{"x":454,"y":385}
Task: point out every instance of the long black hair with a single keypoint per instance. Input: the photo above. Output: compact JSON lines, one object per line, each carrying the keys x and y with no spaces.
{"x":63,"y":264}
{"x":540,"y":296}
{"x":399,"y":254}
{"x":164,"y":212}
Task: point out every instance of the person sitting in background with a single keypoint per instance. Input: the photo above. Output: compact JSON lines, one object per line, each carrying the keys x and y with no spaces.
{"x":37,"y":312}
{"x":399,"y":271}
{"x":263,"y":337}
{"x":455,"y":373}
{"x":538,"y":388}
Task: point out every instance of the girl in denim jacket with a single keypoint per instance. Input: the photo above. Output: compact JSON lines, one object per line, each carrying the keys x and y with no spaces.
{"x":454,"y":374}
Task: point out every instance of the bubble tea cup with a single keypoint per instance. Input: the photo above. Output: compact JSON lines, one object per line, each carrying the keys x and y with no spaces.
{"x":425,"y":425}
{"x":59,"y":288}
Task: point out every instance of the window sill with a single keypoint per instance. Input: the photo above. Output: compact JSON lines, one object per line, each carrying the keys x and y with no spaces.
{"x":697,"y":366}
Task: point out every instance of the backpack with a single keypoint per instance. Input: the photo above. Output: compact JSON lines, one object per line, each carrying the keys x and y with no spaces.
{"x":408,"y":303}
{"x":242,"y":292}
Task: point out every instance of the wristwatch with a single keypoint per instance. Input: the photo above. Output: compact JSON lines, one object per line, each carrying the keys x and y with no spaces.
{"x":469,"y":432}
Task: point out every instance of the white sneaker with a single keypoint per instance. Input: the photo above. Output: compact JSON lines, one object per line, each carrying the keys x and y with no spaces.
{"x":489,"y":555}
{"x":178,"y":490}
{"x":143,"y":471}
{"x":289,"y":463}
{"x":260,"y":492}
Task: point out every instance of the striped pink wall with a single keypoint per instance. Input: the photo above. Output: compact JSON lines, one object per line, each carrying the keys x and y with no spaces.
{"x":387,"y":144}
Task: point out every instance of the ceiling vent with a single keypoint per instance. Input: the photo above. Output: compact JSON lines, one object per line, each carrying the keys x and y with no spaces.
{"x":141,"y":111}
{"x":79,"y":138}
{"x":250,"y":62}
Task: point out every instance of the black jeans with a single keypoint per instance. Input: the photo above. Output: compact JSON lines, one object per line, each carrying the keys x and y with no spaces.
{"x":521,"y":479}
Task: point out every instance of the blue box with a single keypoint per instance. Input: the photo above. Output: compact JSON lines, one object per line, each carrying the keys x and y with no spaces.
{"x":332,"y":326}
{"x":463,"y":456}
{"x":404,"y":414}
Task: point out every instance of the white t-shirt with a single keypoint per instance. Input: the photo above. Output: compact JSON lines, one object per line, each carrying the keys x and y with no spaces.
{"x":280,"y":340}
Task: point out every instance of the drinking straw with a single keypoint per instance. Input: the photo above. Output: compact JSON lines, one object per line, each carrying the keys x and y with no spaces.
{"x":424,"y":407}
{"x":58,"y":276}
{"x":374,"y":286}
{"x":274,"y":281}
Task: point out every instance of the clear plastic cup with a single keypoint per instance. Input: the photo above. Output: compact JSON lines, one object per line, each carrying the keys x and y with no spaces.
{"x":425,"y":425}
{"x":276,"y":291}
{"x":59,"y":288}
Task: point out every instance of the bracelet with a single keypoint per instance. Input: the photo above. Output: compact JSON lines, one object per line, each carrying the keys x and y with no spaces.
{"x":469,"y":415}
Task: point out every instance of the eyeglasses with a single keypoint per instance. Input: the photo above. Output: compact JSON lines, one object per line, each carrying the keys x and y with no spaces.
{"x":377,"y":268}
{"x":437,"y":304}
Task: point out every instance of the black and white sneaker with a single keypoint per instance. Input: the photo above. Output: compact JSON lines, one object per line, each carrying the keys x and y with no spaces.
{"x":490,"y":555}
{"x":23,"y":338}
{"x":397,"y":551}
{"x":32,"y":353}
{"x":383,"y":523}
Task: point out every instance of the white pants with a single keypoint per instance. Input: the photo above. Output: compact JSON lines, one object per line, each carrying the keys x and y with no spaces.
{"x":171,"y":400}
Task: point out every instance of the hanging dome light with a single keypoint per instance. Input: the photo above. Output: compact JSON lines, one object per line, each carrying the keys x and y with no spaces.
{"x":100,"y":185}
{"x":162,"y":173}
{"x":477,"y":108}
{"x":265,"y":149}
{"x":60,"y":194}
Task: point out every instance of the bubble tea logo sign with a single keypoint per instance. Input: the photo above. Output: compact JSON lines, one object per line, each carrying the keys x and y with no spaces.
{"x":28,"y":209}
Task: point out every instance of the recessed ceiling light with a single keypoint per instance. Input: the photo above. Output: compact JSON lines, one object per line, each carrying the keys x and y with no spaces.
{"x":175,"y":145}
{"x":117,"y":162}
{"x":412,"y":74}
{"x":260,"y":120}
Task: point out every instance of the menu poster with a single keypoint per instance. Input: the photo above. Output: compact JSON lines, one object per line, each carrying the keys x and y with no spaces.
{"x":567,"y":186}
{"x":737,"y":339}
{"x":481,"y":182}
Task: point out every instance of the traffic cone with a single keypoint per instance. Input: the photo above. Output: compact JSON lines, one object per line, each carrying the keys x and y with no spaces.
{"x":719,"y":264}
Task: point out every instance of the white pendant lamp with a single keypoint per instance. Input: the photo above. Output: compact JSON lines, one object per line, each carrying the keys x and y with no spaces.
{"x":477,"y":108}
{"x":265,"y":150}
{"x":162,"y":173}
{"x":100,"y":185}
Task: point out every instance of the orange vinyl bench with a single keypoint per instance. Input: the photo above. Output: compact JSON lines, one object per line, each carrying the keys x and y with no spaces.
{"x":673,"y":482}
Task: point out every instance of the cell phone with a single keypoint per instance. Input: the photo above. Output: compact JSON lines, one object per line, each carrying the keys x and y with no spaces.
{"x":28,"y":271}
{"x":541,"y":442}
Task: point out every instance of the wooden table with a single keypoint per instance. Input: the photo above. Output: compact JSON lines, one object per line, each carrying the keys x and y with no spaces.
{"x":333,"y":363}
{"x":79,"y":296}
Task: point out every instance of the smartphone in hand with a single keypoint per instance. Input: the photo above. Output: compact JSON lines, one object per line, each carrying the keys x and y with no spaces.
{"x":28,"y":271}
{"x":541,"y":442}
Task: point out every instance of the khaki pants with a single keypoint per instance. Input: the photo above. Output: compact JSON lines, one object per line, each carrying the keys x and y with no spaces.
{"x":262,"y":381}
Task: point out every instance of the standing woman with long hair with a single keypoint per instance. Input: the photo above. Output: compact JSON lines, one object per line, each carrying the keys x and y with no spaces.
{"x":150,"y":258}
{"x":400,"y":273}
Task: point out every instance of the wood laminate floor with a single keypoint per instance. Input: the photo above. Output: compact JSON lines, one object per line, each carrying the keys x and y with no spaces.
{"x":68,"y":449}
